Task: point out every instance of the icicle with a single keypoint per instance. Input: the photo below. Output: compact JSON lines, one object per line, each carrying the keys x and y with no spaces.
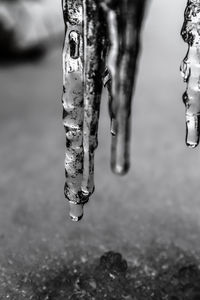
{"x":190,"y":70}
{"x":82,"y":85}
{"x":95,"y":28}
{"x":124,"y":23}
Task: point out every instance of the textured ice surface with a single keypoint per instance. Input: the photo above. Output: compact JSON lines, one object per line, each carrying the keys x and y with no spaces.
{"x":190,"y":70}
{"x":97,"y":35}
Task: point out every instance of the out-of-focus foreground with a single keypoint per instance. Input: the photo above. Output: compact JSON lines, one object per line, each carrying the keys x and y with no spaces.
{"x":151,"y":215}
{"x":28,"y":26}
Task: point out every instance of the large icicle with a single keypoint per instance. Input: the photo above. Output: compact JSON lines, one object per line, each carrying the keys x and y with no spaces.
{"x":190,"y":70}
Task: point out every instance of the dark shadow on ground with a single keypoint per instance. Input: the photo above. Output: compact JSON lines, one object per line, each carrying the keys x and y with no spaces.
{"x":159,"y":273}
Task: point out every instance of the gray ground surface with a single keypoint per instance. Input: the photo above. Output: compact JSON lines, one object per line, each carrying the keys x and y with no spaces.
{"x":153,"y":210}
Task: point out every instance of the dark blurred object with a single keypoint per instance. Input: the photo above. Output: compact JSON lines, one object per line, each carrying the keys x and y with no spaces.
{"x":28,"y":26}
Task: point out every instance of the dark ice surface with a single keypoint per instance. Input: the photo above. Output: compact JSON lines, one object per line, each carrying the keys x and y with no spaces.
{"x":151,"y":216}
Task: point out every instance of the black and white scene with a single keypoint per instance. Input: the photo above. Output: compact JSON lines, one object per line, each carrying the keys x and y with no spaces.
{"x":99,"y":156}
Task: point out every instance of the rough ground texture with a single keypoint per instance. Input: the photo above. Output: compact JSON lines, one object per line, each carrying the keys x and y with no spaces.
{"x":150,"y":216}
{"x":172,"y":275}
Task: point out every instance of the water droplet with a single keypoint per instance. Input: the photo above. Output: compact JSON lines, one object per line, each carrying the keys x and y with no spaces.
{"x":76,"y":211}
{"x":113,"y":129}
{"x":192,"y":130}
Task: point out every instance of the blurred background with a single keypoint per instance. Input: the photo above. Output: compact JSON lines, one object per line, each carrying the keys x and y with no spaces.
{"x":156,"y":206}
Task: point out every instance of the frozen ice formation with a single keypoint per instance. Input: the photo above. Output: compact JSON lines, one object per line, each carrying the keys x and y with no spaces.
{"x":101,"y":47}
{"x":190,"y":70}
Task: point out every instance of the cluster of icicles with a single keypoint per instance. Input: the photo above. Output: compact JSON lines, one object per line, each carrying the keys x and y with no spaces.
{"x":102,"y":40}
